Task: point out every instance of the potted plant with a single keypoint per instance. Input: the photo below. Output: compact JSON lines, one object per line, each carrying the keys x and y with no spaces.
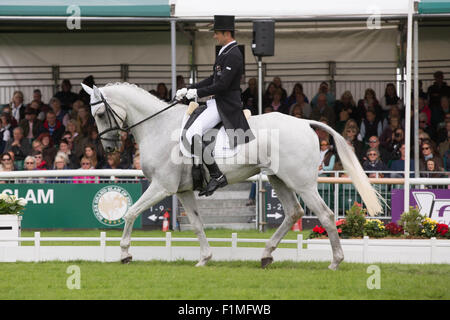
{"x":11,"y":210}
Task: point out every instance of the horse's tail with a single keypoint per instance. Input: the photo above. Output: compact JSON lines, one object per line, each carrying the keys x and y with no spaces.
{"x":350,"y":162}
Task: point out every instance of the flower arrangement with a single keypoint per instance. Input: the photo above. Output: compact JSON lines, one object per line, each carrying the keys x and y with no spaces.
{"x":10,"y":204}
{"x":411,"y":224}
{"x":374,"y":228}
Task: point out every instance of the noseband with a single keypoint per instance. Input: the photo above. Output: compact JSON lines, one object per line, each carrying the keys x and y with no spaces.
{"x":112,"y":118}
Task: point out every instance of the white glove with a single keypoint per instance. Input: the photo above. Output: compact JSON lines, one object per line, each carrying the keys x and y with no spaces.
{"x":181,"y":93}
{"x":191,"y":94}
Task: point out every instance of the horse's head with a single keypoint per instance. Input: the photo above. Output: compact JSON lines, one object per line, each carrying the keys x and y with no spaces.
{"x":108,"y":116}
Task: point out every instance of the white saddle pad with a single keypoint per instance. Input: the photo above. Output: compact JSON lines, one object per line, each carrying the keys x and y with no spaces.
{"x":221,"y":149}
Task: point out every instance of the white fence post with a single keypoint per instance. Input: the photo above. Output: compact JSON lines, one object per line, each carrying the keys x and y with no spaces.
{"x":37,"y":246}
{"x":234,"y":242}
{"x":432,"y":249}
{"x":365,"y":248}
{"x":299,"y":246}
{"x":169,"y":244}
{"x":103,"y":245}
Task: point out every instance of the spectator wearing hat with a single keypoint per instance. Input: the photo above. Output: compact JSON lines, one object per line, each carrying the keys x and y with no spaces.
{"x":31,"y":126}
{"x":66,"y":96}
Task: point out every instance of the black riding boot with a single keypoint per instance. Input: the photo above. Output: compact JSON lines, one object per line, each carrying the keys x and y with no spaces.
{"x":218,"y":179}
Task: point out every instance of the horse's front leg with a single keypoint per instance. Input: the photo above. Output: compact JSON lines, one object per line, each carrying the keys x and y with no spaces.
{"x":188,"y":201}
{"x":150,"y":197}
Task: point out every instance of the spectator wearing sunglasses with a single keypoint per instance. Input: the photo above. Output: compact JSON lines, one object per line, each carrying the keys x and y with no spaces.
{"x":428,"y":151}
{"x":373,"y":162}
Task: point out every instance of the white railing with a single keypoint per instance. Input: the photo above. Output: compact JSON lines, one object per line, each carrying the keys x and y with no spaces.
{"x":355,"y":250}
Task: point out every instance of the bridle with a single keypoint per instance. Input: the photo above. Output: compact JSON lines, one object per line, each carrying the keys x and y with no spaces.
{"x":112,"y":118}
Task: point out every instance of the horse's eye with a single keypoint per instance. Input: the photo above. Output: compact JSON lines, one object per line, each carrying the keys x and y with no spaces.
{"x":101,"y":115}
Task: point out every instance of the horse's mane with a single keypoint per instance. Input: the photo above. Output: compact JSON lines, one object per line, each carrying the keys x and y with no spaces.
{"x":138,"y":89}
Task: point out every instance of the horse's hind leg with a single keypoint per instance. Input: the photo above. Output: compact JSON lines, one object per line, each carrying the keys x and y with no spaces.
{"x":189,"y":204}
{"x":292,"y":211}
{"x":150,"y":197}
{"x":313,"y":201}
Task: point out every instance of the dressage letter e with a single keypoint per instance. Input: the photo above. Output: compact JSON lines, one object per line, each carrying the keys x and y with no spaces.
{"x":374,"y":281}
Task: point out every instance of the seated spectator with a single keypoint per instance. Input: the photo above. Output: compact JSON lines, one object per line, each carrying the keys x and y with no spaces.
{"x":91,"y":154}
{"x":250,"y":96}
{"x":384,"y":155}
{"x":66,"y":96}
{"x":373,"y":162}
{"x":7,"y":162}
{"x":48,"y":149}
{"x":162,"y":92}
{"x":428,"y":151}
{"x":268,"y":94}
{"x":329,"y":97}
{"x":324,"y":135}
{"x":64,"y":148}
{"x":297,"y":95}
{"x":395,"y":113}
{"x":387,"y":134}
{"x":41,"y":107}
{"x":444,"y":136}
{"x":113,"y":161}
{"x":350,"y":134}
{"x":277,"y":102}
{"x":34,"y":105}
{"x":446,"y":160}
{"x":441,"y":113}
{"x":399,"y":164}
{"x":370,"y":126}
{"x":301,"y":105}
{"x":277,"y":82}
{"x":19,"y":145}
{"x":41,"y":164}
{"x":94,"y":140}
{"x":60,"y":163}
{"x":61,"y":114}
{"x":297,"y":112}
{"x":397,"y":139}
{"x":423,"y":119}
{"x":432,"y":170}
{"x":345,"y":108}
{"x":423,"y":108}
{"x":369,"y":101}
{"x":73,"y":113}
{"x":436,"y":91}
{"x":31,"y":126}
{"x":17,"y":106}
{"x":327,"y":157}
{"x":268,"y":109}
{"x":6,"y":130}
{"x":83,"y":95}
{"x":30,"y":165}
{"x":53,"y":127}
{"x":85,"y":165}
{"x":322,"y":109}
{"x":84,"y":121}
{"x":126,"y":150}
{"x":389,"y":100}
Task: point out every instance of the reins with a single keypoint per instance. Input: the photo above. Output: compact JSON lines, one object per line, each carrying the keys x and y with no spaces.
{"x":113,"y":114}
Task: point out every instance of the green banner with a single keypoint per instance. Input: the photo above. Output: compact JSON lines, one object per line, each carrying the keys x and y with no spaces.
{"x":75,"y":206}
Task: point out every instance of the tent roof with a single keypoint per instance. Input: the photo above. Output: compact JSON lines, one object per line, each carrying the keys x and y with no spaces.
{"x":88,"y":8}
{"x":434,"y":6}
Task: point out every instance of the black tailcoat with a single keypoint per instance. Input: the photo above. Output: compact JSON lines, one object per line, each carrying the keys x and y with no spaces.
{"x":224,"y":84}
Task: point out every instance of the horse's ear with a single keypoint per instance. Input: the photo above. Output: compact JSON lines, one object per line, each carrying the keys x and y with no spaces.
{"x":87,"y":89}
{"x":97,"y":92}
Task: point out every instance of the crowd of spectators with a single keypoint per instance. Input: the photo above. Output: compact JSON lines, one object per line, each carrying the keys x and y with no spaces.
{"x":62,"y":134}
{"x":373,"y":126}
{"x":59,"y":135}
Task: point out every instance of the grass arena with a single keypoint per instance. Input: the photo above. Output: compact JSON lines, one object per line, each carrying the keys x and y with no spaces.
{"x":107,"y":110}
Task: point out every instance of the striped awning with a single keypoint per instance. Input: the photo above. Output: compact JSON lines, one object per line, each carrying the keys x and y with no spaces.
{"x":86,"y":8}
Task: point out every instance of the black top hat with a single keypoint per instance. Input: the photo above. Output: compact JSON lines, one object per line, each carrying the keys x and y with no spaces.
{"x":223,"y":23}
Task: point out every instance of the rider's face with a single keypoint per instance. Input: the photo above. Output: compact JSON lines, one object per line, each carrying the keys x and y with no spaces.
{"x":220,"y":37}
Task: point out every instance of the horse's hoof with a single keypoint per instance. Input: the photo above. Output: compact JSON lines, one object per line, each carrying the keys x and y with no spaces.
{"x":204,"y":261}
{"x":266,"y":261}
{"x":126,"y":260}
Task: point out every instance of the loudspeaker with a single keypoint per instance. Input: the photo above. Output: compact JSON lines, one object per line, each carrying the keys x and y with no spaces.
{"x":263,"y":38}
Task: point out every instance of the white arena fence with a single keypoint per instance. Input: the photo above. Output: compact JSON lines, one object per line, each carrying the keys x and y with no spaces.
{"x":355,"y":250}
{"x":338,"y":192}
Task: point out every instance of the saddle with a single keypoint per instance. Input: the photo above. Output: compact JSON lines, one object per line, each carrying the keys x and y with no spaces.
{"x":217,"y":140}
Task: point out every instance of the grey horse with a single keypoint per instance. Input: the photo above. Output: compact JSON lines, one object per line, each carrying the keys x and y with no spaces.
{"x":291,"y":161}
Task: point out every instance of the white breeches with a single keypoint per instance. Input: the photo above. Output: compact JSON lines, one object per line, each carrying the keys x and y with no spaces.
{"x":206,"y":120}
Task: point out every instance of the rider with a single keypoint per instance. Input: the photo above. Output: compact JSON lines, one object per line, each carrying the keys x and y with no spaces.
{"x":225,"y":106}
